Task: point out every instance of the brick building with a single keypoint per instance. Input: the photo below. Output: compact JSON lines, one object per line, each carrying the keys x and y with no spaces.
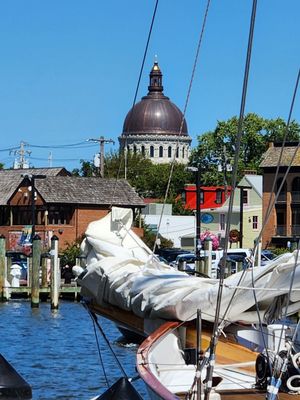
{"x":64,"y":205}
{"x":283,"y":225}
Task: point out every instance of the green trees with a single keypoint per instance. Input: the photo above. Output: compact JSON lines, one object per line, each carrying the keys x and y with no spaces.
{"x":214,"y":148}
{"x":218,"y":146}
{"x":148,"y":179}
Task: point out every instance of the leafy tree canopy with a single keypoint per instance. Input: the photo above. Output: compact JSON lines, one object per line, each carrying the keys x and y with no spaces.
{"x":219,"y":146}
{"x":148,"y":179}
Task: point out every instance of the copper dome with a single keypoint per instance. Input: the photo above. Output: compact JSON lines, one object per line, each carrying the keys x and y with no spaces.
{"x":155,"y":114}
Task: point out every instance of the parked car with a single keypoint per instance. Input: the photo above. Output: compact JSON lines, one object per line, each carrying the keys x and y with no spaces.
{"x":170,"y":254}
{"x":185,"y":262}
{"x":266,"y":257}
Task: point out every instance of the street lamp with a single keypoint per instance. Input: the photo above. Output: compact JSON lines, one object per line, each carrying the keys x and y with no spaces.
{"x":32,"y":178}
{"x":196,"y":170}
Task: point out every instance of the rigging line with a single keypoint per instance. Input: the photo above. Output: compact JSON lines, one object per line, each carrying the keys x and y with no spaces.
{"x":94,"y":316}
{"x":183,"y":115}
{"x":98,"y":346}
{"x":271,"y":205}
{"x":215,"y":335}
{"x":272,"y":202}
{"x":238,"y":143}
{"x":124,"y":153}
{"x":277,"y":379}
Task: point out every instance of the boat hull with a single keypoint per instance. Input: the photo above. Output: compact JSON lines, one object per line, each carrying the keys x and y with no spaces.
{"x":228,"y":354}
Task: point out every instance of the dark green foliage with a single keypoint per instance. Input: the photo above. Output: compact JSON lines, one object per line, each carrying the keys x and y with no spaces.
{"x":70,"y":253}
{"x":214,"y":146}
{"x":149,"y":239}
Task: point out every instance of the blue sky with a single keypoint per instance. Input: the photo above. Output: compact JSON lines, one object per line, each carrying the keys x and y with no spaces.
{"x":69,"y":68}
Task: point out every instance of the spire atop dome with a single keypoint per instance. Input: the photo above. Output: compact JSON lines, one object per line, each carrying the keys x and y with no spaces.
{"x":155,"y":79}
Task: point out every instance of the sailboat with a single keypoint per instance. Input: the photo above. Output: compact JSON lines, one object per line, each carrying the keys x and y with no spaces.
{"x":204,"y":338}
{"x":125,"y":282}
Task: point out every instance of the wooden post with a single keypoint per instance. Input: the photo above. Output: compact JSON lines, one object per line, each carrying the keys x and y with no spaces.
{"x":2,"y":267}
{"x":44,"y":271}
{"x":8,"y":267}
{"x":29,"y":269}
{"x":55,"y":273}
{"x":35,"y":272}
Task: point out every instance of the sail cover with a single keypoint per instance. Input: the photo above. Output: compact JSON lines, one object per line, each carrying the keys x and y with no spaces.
{"x":123,"y":272}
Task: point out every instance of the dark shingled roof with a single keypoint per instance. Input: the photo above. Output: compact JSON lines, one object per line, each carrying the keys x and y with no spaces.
{"x":272,"y":155}
{"x":10,"y":179}
{"x":71,"y":189}
{"x":55,"y":171}
{"x":79,"y":190}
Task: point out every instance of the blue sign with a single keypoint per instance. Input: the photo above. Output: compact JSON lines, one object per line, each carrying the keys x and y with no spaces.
{"x":207,"y":218}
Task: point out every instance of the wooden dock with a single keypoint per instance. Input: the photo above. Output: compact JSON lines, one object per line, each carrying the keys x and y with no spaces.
{"x":65,"y":290}
{"x":43,"y":277}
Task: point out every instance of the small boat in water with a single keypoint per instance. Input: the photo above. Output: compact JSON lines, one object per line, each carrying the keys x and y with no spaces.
{"x":12,"y":385}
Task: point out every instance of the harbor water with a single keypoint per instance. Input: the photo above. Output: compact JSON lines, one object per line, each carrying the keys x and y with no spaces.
{"x":56,"y":351}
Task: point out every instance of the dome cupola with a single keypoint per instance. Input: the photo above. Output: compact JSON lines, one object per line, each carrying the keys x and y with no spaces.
{"x":155,"y":126}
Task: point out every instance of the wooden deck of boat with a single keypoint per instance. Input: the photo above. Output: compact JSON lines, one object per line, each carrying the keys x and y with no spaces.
{"x":227,"y":351}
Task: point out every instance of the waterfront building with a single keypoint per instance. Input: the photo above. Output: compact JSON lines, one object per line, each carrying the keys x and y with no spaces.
{"x":63,"y":205}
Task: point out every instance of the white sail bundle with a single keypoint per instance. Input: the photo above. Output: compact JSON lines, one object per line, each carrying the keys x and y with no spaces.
{"x":121,"y":271}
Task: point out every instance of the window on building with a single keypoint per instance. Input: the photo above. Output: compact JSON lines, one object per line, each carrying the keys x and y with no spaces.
{"x":245,"y":197}
{"x":282,"y":195}
{"x":255,"y":222}
{"x":151,"y":151}
{"x":218,"y":196}
{"x":222,"y":222}
{"x":177,"y":152}
{"x":296,"y":190}
{"x":169,"y":151}
{"x":295,"y":219}
{"x":281,"y":220}
{"x":183,"y":152}
{"x":134,"y":149}
{"x":60,"y":215}
{"x":161,"y":151}
{"x":143,"y":150}
{"x":23,"y":215}
{"x":4,"y":216}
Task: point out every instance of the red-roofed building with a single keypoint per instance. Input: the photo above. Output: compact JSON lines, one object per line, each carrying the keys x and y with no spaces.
{"x":210,"y":196}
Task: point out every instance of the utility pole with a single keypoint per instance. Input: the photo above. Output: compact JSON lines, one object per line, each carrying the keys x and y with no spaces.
{"x":21,"y":162}
{"x":101,"y":141}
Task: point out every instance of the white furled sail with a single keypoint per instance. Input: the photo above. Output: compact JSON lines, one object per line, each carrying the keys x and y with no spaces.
{"x":123,"y":272}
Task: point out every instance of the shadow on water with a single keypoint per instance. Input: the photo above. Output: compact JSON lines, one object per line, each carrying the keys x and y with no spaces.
{"x":56,"y":351}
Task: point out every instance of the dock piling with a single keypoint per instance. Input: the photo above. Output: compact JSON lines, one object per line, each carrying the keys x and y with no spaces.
{"x":35,"y":272}
{"x":55,"y":273}
{"x":2,"y":268}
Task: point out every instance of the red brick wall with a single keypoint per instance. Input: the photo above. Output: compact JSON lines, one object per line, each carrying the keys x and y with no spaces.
{"x":65,"y":233}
